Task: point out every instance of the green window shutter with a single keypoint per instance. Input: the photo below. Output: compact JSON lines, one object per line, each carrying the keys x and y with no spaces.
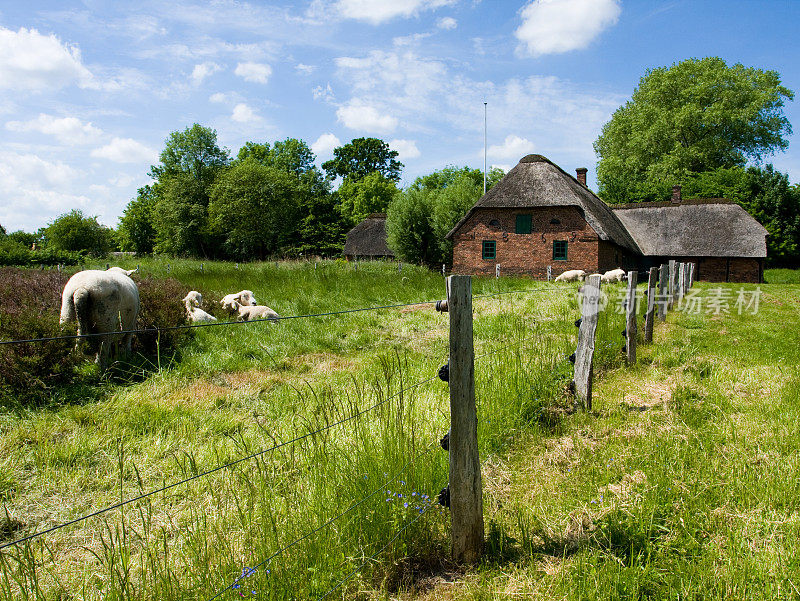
{"x":489,"y":249}
{"x":559,"y":250}
{"x":523,"y":225}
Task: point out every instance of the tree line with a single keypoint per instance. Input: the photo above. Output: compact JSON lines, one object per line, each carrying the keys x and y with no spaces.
{"x":699,"y":123}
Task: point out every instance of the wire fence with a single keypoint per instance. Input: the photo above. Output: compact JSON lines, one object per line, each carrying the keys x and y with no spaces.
{"x":508,"y":345}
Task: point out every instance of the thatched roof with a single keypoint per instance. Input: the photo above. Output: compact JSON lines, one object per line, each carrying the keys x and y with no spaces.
{"x":537,"y":182}
{"x":368,"y":238}
{"x":694,"y":228}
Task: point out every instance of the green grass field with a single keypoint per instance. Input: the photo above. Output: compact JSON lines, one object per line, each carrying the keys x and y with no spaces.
{"x":681,"y":484}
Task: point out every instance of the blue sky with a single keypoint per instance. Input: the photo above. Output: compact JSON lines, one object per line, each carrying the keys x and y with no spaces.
{"x":89,"y":91}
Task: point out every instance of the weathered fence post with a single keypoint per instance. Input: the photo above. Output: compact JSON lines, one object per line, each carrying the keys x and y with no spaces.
{"x":549,"y":273}
{"x":681,"y":290}
{"x":649,"y":314}
{"x":399,"y":267}
{"x":691,"y":274}
{"x":590,"y":313}
{"x":497,"y":270}
{"x":687,"y":277}
{"x":444,"y":269}
{"x":672,"y":271}
{"x":466,"y":493}
{"x":631,"y":329}
{"x":663,"y":290}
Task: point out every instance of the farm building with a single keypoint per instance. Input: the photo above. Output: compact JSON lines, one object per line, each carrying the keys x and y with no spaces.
{"x":538,"y":216}
{"x":367,"y":240}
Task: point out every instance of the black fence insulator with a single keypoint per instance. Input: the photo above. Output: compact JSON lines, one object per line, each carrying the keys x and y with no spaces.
{"x":578,"y":322}
{"x":571,"y":387}
{"x":441,"y":306}
{"x":444,"y":496}
{"x":445,"y":442}
{"x":624,"y":348}
{"x":624,"y":332}
{"x":444,"y":372}
{"x":572,"y":358}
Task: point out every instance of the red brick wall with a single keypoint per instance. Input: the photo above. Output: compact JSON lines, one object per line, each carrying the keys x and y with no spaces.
{"x":736,"y":269}
{"x":527,"y":254}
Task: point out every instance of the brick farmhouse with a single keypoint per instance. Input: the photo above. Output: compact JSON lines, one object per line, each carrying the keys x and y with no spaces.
{"x":538,"y":216}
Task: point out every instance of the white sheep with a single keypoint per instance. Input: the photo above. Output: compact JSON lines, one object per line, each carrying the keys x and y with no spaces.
{"x":127,"y":272}
{"x":615,"y":275}
{"x":101,"y":302}
{"x":194,"y":313}
{"x":573,"y":275}
{"x":251,"y":312}
{"x":231,"y":302}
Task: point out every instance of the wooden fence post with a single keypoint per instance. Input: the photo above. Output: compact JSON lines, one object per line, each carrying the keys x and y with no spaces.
{"x":497,"y":270}
{"x":631,"y":329}
{"x":590,"y":313}
{"x":649,"y":315}
{"x":671,"y":283}
{"x":691,"y":274}
{"x":663,"y":291}
{"x":687,"y":277}
{"x":466,"y":493}
{"x":681,"y":287}
{"x":549,"y":273}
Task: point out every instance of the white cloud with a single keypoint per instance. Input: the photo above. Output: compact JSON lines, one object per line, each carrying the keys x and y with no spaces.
{"x":29,"y":171}
{"x":255,"y":72}
{"x":504,"y":167}
{"x":305,"y":69}
{"x":325,"y":94}
{"x":324,"y":145}
{"x":407,"y":149}
{"x":554,"y":26}
{"x":219,"y":97}
{"x":447,"y":23}
{"x":244,"y":114}
{"x":203,"y":70}
{"x":35,"y":62}
{"x":125,"y":150}
{"x":68,"y":130}
{"x":380,"y":11}
{"x":513,"y":147}
{"x":363,"y":117}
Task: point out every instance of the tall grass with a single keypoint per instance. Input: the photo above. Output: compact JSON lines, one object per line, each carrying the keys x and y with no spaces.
{"x":237,"y":390}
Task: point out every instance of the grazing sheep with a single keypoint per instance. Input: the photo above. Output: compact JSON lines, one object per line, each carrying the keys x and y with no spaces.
{"x":251,"y":312}
{"x":231,"y":302}
{"x":194,"y":313}
{"x":126,"y":272}
{"x":615,"y":275}
{"x":101,"y":302}
{"x":573,"y":275}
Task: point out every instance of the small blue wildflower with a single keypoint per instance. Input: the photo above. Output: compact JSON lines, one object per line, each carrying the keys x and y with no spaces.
{"x":387,"y":500}
{"x":402,"y":483}
{"x":413,"y":494}
{"x":400,"y":495}
{"x":405,"y":504}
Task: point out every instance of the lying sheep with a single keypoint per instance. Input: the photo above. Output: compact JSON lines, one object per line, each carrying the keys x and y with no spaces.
{"x":573,"y":275}
{"x":252,"y":312}
{"x":194,"y":313}
{"x":615,"y":275}
{"x":102,"y":302}
{"x":231,"y":302}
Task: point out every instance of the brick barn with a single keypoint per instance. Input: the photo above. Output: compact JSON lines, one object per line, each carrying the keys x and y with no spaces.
{"x":538,"y":216}
{"x":367,"y":240}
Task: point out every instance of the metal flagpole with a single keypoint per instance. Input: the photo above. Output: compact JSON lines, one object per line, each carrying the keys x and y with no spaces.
{"x":484,"y":148}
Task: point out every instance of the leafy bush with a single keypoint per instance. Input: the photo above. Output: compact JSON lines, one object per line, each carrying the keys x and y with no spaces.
{"x":30,"y":302}
{"x":14,"y":253}
{"x":160,"y":306}
{"x":29,"y":308}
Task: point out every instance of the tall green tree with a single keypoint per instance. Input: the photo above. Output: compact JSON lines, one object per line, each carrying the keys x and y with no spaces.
{"x":75,"y":231}
{"x":254,"y":209}
{"x":361,"y":157}
{"x":371,"y":194}
{"x":136,"y":230}
{"x":189,"y":164}
{"x":764,"y":193}
{"x":420,"y":217}
{"x":697,"y":115}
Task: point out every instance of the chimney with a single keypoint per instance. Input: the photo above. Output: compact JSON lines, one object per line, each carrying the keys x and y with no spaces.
{"x":676,"y":195}
{"x":580,"y":174}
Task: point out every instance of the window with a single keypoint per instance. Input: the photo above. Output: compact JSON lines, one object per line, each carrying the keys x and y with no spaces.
{"x":489,"y":249}
{"x":523,"y":224}
{"x":494,"y":223}
{"x":559,"y":250}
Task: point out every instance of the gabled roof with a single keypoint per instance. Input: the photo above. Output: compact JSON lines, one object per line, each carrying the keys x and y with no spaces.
{"x":537,"y":182}
{"x":368,"y":238}
{"x":694,"y":228}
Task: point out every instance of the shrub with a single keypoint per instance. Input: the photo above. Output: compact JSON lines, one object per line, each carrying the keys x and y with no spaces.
{"x":30,"y":302}
{"x":29,"y":308}
{"x":160,"y":307}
